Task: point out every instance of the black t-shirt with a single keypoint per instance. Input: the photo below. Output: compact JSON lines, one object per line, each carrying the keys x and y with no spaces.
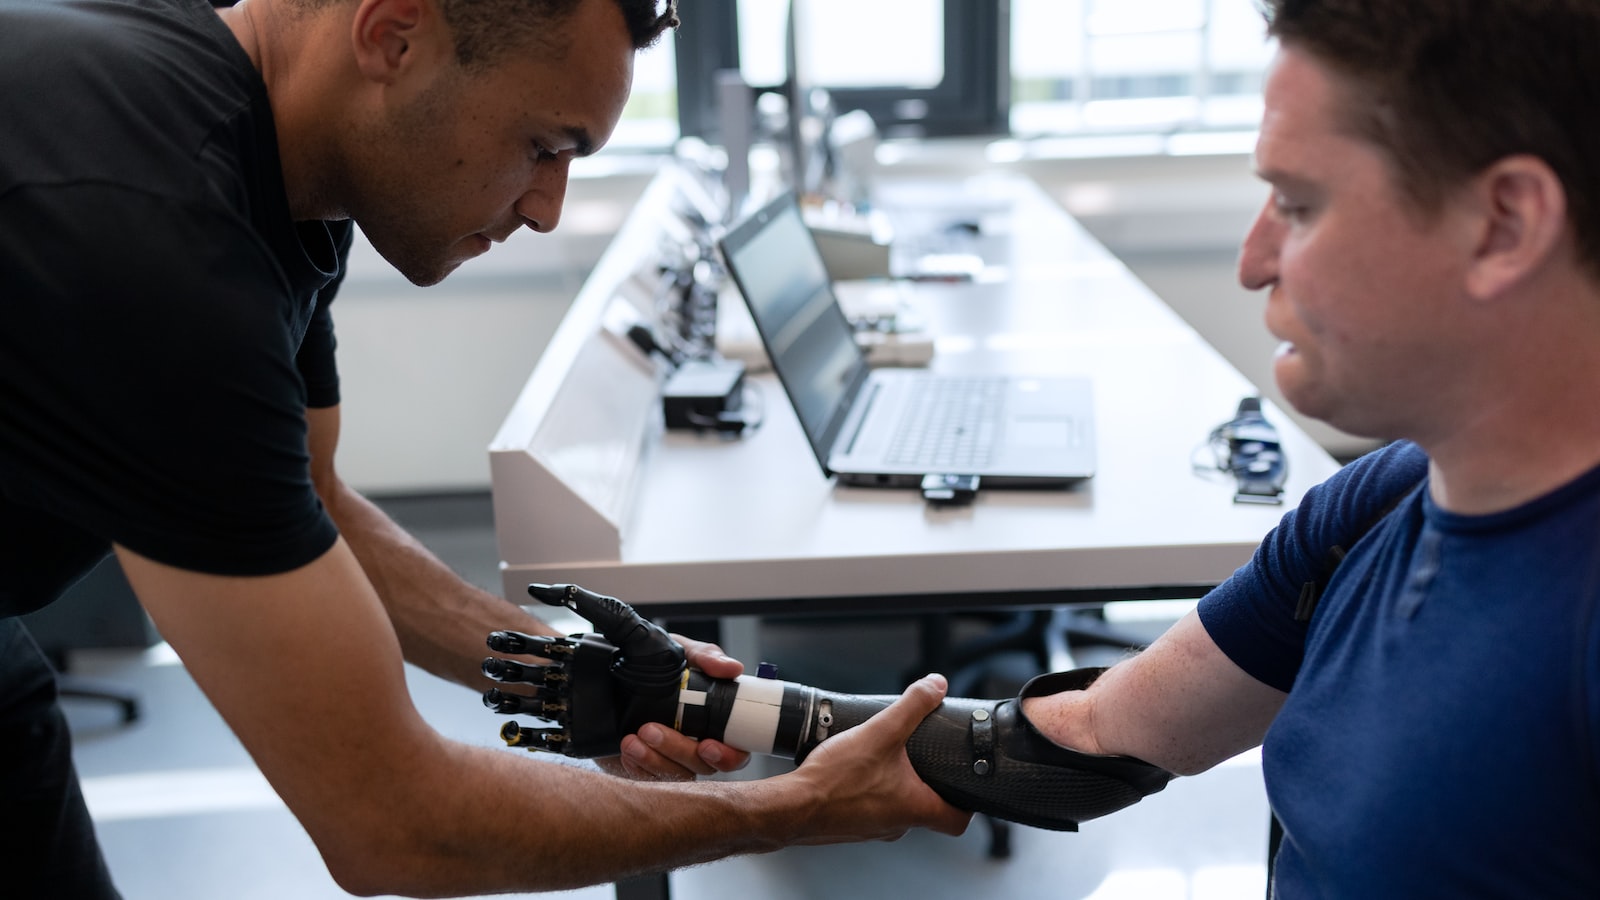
{"x":163,"y":320}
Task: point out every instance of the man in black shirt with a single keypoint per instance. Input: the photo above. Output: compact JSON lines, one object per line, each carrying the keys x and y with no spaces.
{"x":176,"y":191}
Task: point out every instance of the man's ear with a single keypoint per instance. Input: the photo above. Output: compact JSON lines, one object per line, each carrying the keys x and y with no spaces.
{"x":1524,"y":223}
{"x":391,"y":36}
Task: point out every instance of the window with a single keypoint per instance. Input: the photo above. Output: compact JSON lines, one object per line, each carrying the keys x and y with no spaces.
{"x":856,"y":57}
{"x":1100,"y":65}
{"x":942,"y":74}
{"x":650,"y":120}
{"x":1030,"y":68}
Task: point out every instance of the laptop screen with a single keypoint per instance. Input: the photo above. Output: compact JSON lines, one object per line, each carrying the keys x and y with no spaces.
{"x":775,"y":261}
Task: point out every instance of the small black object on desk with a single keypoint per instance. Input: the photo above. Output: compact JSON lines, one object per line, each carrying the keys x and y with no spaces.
{"x":705,"y":395}
{"x":1255,"y":457}
{"x":949,"y":490}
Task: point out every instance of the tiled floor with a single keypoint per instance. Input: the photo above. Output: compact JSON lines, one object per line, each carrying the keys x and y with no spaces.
{"x":183,"y":814}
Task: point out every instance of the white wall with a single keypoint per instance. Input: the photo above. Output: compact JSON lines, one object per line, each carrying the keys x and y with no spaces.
{"x":1177,"y":222}
{"x":428,"y":374}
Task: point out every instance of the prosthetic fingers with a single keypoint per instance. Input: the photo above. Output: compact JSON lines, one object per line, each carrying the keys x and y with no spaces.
{"x":979,"y":755}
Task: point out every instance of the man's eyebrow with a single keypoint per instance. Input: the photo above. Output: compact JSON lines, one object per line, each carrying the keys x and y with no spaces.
{"x":1282,"y":178}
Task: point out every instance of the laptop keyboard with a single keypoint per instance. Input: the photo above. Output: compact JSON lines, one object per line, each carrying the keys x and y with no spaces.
{"x":950,"y":424}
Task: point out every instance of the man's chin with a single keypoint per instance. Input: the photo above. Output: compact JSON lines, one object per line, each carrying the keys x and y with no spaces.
{"x":1353,"y":420}
{"x":413,"y":259}
{"x":426,"y":274}
{"x":1288,"y":371}
{"x":429,"y":278}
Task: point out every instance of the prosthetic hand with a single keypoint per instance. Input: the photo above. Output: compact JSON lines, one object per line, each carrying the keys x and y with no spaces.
{"x":979,"y":755}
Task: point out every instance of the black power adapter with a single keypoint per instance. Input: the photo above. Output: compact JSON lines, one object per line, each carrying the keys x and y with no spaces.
{"x":705,"y":394}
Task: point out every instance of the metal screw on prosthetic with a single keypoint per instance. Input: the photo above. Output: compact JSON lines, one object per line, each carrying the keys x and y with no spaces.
{"x":980,"y":755}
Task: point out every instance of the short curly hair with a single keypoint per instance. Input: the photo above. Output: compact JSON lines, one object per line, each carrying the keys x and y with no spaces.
{"x":486,"y":30}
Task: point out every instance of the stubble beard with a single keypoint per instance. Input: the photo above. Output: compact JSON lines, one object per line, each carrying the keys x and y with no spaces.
{"x":397,"y":213}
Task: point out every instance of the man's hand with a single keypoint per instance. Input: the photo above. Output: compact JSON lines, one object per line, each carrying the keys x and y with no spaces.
{"x":657,"y":752}
{"x":865,"y":787}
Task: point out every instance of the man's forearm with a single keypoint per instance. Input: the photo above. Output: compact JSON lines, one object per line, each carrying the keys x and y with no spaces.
{"x":441,"y":619}
{"x":502,"y":822}
{"x":396,"y":808}
{"x":1181,"y":705}
{"x":481,"y":821}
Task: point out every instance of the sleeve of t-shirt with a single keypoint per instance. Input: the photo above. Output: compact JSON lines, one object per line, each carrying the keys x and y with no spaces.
{"x":318,"y":368}
{"x":1251,"y":615}
{"x":148,"y":370}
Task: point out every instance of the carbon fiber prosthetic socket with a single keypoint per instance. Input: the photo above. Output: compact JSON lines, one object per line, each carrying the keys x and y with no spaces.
{"x":980,"y":755}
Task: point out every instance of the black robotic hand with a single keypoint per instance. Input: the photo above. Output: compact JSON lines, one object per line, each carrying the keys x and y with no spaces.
{"x":597,"y":688}
{"x":980,"y":755}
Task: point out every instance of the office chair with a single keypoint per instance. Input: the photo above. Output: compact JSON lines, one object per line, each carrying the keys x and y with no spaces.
{"x":99,"y":611}
{"x":72,"y":687}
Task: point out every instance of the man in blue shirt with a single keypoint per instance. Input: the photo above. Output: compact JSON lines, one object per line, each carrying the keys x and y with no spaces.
{"x":1430,"y":253}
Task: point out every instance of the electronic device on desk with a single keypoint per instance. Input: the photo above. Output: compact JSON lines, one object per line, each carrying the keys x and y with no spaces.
{"x":892,"y":427}
{"x":1247,"y":448}
{"x":893,"y":347}
{"x":853,"y":244}
{"x":886,"y":328}
{"x":700,"y":393}
{"x":706,"y":395}
{"x":948,"y":251}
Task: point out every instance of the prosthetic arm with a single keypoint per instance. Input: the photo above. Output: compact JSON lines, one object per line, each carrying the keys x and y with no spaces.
{"x":980,"y":755}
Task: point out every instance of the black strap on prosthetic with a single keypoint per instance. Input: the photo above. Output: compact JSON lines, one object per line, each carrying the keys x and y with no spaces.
{"x":984,"y":756}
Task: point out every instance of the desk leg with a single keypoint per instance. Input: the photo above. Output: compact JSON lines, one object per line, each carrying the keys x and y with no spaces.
{"x":645,"y":887}
{"x":740,"y":638}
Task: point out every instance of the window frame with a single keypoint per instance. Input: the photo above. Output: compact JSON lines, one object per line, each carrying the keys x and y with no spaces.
{"x":972,"y":99}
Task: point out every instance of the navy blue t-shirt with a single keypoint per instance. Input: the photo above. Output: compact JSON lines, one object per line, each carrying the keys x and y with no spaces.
{"x":1441,"y":737}
{"x":165,"y":320}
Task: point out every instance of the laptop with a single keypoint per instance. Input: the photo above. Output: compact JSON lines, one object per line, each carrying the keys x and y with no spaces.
{"x":893,"y":427}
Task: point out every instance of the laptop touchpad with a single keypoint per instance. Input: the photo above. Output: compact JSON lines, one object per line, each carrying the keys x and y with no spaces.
{"x":1044,"y":433}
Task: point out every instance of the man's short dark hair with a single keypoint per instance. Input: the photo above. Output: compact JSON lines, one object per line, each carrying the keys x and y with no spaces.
{"x":1448,"y":87}
{"x":487,"y":30}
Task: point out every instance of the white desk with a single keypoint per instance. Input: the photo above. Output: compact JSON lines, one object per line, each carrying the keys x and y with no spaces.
{"x":588,"y":489}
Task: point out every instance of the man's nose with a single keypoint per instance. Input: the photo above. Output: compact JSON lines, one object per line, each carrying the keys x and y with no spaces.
{"x":540,"y":206}
{"x":1258,"y":255}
